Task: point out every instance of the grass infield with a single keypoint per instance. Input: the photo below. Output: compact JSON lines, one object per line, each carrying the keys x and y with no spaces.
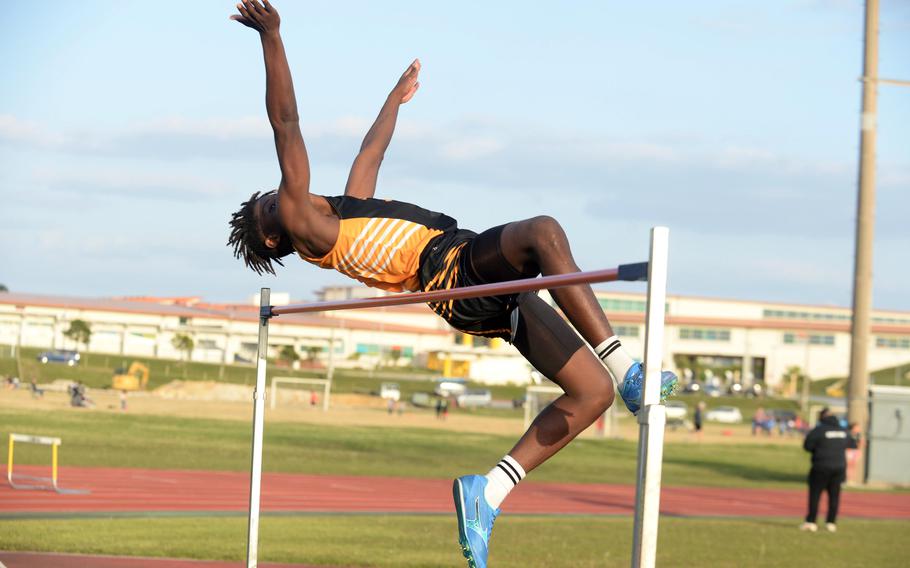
{"x":103,"y":439}
{"x":520,"y":541}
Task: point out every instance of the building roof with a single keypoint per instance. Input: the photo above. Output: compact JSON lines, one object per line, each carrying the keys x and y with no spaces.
{"x":242,"y":312}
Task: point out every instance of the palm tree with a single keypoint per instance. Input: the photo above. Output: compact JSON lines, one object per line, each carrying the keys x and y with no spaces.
{"x":185,"y":344}
{"x":81,"y":333}
{"x":288,"y":354}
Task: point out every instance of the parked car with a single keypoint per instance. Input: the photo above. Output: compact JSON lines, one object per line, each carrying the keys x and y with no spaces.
{"x":474,"y":397}
{"x":677,"y":410}
{"x":389,"y":390}
{"x":66,"y":357}
{"x":450,"y":387}
{"x":725,"y":414}
{"x":422,"y":400}
{"x":712,"y":391}
{"x":692,"y":388}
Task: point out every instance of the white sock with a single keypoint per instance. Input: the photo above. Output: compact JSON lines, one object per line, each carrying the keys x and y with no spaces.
{"x":502,"y":479}
{"x":615,"y":358}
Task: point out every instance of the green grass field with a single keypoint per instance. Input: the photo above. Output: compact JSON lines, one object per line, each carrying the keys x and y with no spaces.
{"x":108,"y":439}
{"x":429,"y":541}
{"x":96,"y":370}
{"x":127,"y":440}
{"x":146,"y":441}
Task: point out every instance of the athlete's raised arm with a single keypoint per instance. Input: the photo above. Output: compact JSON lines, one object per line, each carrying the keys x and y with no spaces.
{"x":281,"y":106}
{"x":362,"y":179}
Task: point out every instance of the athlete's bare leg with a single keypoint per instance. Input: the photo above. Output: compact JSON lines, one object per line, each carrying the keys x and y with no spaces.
{"x":540,"y":246}
{"x":588,"y":394}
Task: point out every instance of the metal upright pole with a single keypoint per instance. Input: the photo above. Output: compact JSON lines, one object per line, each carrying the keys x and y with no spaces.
{"x":252,"y":548}
{"x":652,"y":417}
{"x":865,"y":227}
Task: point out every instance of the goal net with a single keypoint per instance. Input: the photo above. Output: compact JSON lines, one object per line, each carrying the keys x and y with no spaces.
{"x":300,"y":392}
{"x":538,"y":397}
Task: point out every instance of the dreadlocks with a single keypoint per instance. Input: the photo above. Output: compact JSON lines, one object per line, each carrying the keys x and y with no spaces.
{"x":248,"y":240}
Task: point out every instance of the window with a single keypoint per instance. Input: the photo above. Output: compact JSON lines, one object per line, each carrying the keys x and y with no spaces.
{"x":620,"y":305}
{"x":892,"y":342}
{"x":704,"y":334}
{"x":791,"y":338}
{"x":818,"y":316}
{"x":627,"y":330}
{"x":384,"y":350}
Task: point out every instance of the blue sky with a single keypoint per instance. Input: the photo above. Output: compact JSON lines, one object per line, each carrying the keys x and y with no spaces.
{"x":129,"y":131}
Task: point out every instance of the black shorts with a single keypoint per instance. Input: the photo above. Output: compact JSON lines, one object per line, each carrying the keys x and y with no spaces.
{"x":447,"y":263}
{"x":464,"y":258}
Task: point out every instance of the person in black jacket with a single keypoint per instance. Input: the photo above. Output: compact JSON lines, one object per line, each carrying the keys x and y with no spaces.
{"x":828,"y":442}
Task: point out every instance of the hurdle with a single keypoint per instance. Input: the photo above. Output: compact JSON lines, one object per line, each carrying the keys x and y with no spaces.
{"x":54,"y":443}
{"x":651,"y":417}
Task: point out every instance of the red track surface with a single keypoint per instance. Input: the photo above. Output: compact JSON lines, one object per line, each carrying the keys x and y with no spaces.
{"x":119,"y":490}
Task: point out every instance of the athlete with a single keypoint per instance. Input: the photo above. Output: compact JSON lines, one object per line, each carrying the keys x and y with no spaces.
{"x":398,"y":246}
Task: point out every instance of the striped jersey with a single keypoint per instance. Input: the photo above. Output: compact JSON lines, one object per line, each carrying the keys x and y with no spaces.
{"x":380,"y":242}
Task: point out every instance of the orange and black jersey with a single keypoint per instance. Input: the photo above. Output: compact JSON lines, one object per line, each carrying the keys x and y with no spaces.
{"x":380,"y":242}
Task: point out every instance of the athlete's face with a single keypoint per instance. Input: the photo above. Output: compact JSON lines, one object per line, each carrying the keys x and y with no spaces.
{"x":269,"y":222}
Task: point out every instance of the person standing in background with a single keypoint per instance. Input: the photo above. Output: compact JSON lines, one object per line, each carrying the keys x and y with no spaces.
{"x":699,"y":418}
{"x":828,"y":443}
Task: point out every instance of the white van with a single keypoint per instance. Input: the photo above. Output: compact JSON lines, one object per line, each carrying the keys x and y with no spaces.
{"x":479,"y":397}
{"x":390,"y":391}
{"x":450,"y":387}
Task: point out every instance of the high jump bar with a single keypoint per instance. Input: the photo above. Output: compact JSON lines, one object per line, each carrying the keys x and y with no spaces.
{"x":637,"y":272}
{"x":651,"y":418}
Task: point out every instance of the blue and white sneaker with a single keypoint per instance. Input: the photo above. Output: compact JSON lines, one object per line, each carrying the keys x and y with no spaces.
{"x":631,"y":388}
{"x":475,"y":518}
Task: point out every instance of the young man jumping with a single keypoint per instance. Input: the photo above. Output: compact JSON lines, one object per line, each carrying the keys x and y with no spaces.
{"x":398,"y":246}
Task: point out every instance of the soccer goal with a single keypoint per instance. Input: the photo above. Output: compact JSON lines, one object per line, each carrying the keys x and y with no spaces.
{"x":536,"y":398}
{"x":294,"y":390}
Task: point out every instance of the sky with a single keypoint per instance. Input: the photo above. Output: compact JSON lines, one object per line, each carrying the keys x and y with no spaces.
{"x":129,"y":132}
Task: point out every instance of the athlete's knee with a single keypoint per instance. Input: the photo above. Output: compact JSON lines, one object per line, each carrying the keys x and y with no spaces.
{"x":601,"y":394}
{"x":547,"y":233}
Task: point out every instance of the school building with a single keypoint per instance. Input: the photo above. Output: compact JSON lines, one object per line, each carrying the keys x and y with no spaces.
{"x":729,"y":340}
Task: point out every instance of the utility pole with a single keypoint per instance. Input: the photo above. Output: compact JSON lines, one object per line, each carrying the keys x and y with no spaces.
{"x":857,"y":404}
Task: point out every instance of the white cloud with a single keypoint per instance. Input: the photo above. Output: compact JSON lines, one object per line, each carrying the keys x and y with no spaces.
{"x":17,"y":131}
{"x":470,"y":148}
{"x":131,"y":182}
{"x":224,"y":128}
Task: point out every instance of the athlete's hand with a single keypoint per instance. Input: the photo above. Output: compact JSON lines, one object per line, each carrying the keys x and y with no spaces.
{"x":407,"y":84}
{"x":261,"y":17}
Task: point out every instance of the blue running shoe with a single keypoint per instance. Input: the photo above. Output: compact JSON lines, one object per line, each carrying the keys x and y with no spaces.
{"x":475,"y":518}
{"x":631,"y":388}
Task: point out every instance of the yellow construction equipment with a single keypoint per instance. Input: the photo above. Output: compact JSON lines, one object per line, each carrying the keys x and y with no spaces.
{"x":133,"y":379}
{"x":836,"y":389}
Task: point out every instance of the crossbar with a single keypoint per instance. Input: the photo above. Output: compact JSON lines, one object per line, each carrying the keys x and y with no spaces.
{"x":627,"y":272}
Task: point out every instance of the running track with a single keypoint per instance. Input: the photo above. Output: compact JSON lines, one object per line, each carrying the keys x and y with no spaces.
{"x":186,"y":492}
{"x":169,"y":491}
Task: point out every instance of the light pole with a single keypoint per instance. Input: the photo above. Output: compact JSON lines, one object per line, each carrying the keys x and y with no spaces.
{"x":865,"y":225}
